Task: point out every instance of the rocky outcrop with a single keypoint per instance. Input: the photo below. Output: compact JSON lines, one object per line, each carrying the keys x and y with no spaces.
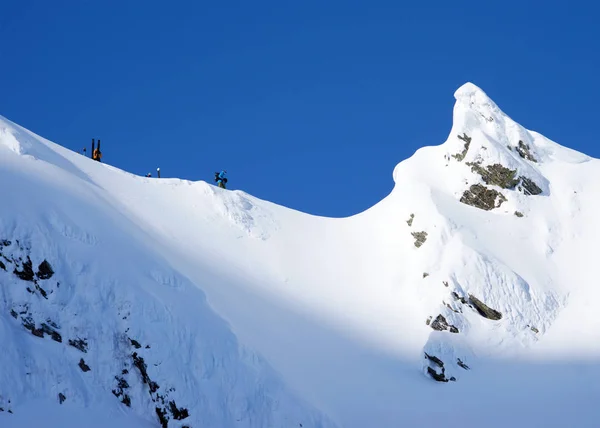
{"x":26,"y":271}
{"x":529,"y":187}
{"x":460,"y":156}
{"x":80,"y":344}
{"x":462,"y":364}
{"x":525,"y":152}
{"x":483,"y":309}
{"x":440,"y":324}
{"x":518,"y":213}
{"x":420,"y":238}
{"x":496,"y":175}
{"x":83,"y":366}
{"x":410,"y":220}
{"x":481,"y":197}
{"x":44,"y":270}
{"x":440,"y":377}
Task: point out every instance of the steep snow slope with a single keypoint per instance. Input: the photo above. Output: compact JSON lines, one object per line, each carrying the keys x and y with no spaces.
{"x":477,"y":268}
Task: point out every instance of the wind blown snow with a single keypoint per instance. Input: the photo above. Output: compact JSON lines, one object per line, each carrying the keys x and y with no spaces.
{"x":466,"y":297}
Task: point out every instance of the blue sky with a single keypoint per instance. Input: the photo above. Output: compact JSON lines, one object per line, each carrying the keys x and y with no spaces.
{"x":308,"y":104}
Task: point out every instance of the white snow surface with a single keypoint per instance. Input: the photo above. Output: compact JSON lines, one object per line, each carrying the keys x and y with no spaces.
{"x":250,"y":314}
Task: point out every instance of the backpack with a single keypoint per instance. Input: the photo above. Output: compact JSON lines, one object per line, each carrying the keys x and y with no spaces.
{"x":217,"y":179}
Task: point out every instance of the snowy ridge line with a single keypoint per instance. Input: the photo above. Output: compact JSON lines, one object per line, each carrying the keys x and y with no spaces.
{"x":169,"y":303}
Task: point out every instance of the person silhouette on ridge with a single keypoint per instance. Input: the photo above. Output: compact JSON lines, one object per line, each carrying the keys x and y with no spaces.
{"x":221,"y":179}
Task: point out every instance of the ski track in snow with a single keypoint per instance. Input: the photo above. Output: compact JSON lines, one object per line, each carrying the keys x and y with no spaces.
{"x":249,"y":314}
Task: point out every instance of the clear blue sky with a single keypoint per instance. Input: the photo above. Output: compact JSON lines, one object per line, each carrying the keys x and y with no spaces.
{"x":309,"y":104}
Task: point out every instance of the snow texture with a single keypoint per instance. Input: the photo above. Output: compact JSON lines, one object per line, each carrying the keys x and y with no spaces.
{"x":467,"y":297}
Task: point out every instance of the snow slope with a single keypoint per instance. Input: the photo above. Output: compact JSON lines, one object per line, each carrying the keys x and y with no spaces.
{"x":249,"y":314}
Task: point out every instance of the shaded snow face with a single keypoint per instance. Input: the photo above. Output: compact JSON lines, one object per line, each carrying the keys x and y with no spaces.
{"x":183,"y":304}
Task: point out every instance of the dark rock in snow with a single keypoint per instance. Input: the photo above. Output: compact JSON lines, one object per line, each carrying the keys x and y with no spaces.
{"x":483,"y":309}
{"x":14,"y":314}
{"x":135,"y":343}
{"x":518,"y":213}
{"x":463,"y":365}
{"x":410,"y":220}
{"x":460,"y":299}
{"x":460,"y":156}
{"x":162,"y":417}
{"x":530,"y":188}
{"x":481,"y":197}
{"x":440,"y":324}
{"x":44,"y":270}
{"x":524,"y":151}
{"x":83,"y":366}
{"x":435,"y":359}
{"x":496,"y":175}
{"x":420,"y":238}
{"x":61,"y":398}
{"x":178,"y":414}
{"x":80,"y":344}
{"x":52,"y":332}
{"x":2,"y":266}
{"x":26,"y":274}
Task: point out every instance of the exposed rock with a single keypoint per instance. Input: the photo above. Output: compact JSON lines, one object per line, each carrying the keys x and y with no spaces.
{"x":14,"y":314}
{"x":425,"y":274}
{"x":5,"y":243}
{"x":52,"y":332}
{"x":435,"y":359}
{"x":440,"y":377}
{"x":445,"y":283}
{"x":178,"y":414}
{"x":28,"y":323}
{"x":518,"y":214}
{"x":428,"y":321}
{"x":483,"y":309}
{"x":496,"y":175}
{"x":460,"y":299}
{"x":37,"y":332}
{"x":135,"y":343}
{"x":61,"y":398}
{"x":126,"y":400}
{"x":461,"y":364}
{"x":2,"y":266}
{"x":535,"y":330}
{"x":410,"y":220}
{"x":83,"y":366}
{"x":80,"y":344}
{"x":44,"y":270}
{"x":26,"y":274}
{"x":481,"y":197}
{"x":420,"y":238}
{"x":460,"y":156}
{"x":122,"y":385}
{"x":530,"y":188}
{"x":524,"y":151}
{"x":440,"y":324}
{"x":162,"y":417}
{"x":141,"y":366}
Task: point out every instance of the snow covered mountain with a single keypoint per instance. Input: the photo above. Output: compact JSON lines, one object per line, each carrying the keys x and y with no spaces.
{"x":467,"y":297}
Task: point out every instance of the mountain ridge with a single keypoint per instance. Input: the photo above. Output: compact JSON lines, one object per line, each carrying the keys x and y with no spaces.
{"x":464,"y":269}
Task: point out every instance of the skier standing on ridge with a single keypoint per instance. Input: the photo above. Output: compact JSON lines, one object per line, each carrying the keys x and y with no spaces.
{"x":220,"y":179}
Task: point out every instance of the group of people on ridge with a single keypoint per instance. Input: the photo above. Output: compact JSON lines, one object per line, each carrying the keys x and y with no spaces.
{"x":220,"y":178}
